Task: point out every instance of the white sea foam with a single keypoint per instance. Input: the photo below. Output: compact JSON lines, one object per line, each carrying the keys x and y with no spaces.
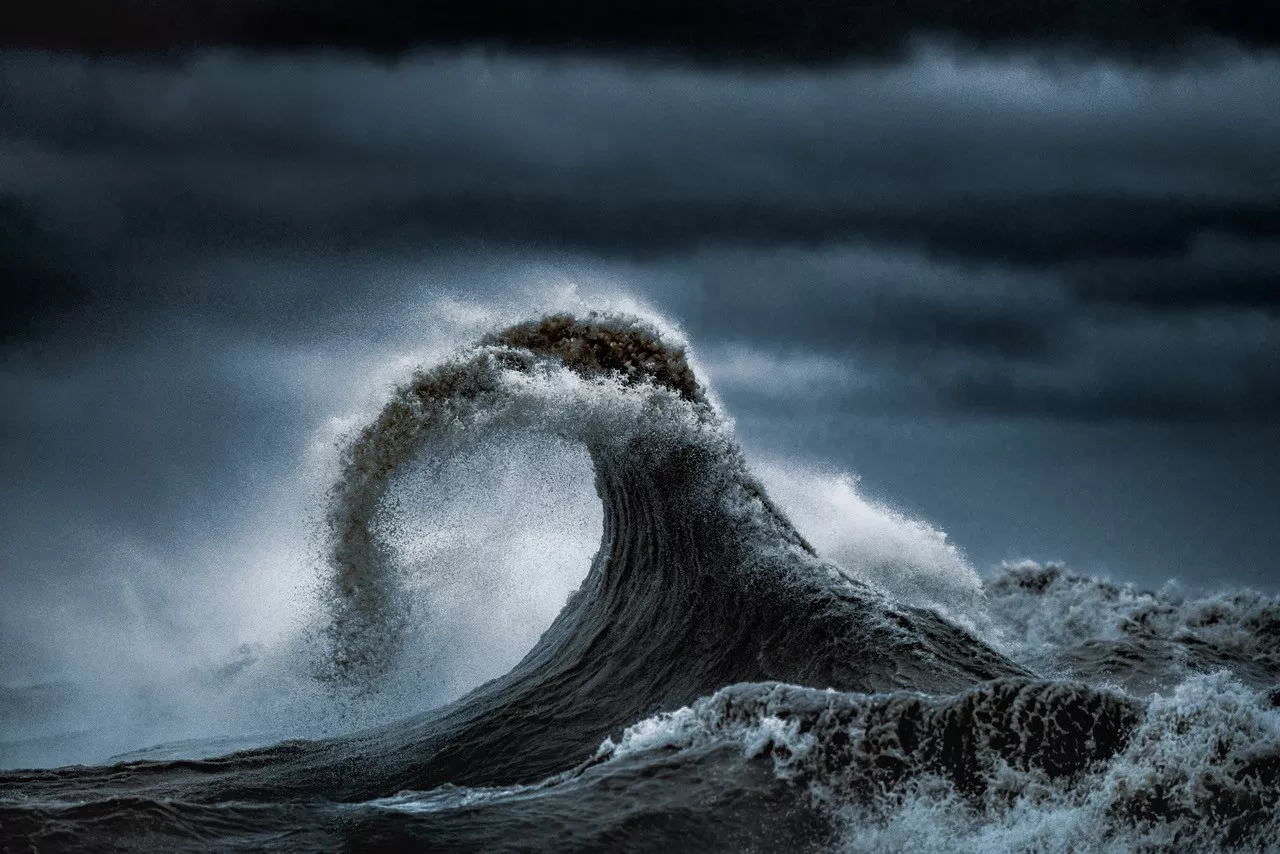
{"x":1202,"y":772}
{"x":1201,"y":768}
{"x":909,"y":559}
{"x":1059,"y":622}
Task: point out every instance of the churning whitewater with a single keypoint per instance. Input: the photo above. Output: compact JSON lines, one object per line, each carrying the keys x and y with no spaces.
{"x":716,"y":682}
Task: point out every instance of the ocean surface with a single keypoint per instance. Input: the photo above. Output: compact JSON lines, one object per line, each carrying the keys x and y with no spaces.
{"x":718,"y":681}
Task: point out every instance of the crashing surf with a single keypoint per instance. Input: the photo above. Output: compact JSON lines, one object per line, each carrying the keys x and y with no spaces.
{"x":780,"y":698}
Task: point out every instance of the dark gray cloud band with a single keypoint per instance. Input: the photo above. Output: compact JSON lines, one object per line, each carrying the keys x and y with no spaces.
{"x":717,"y":30}
{"x":1010,"y":234}
{"x":318,"y":138}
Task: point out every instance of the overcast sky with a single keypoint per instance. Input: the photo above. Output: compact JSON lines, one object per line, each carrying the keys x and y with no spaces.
{"x":1028,"y":293}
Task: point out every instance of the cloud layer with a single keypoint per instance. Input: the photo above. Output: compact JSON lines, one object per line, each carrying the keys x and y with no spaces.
{"x":1025,"y":233}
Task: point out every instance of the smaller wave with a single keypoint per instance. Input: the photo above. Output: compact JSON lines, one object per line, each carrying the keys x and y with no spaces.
{"x":1009,"y":765}
{"x":860,"y":747}
{"x":1201,"y":772}
{"x":1060,"y":623}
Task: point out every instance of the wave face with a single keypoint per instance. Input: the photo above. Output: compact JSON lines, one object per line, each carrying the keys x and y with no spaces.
{"x":715,"y":683}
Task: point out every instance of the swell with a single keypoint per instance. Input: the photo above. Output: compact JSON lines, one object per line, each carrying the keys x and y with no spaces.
{"x":699,"y":581}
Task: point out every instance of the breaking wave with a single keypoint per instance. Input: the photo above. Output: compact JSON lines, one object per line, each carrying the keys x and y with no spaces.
{"x":717,"y":681}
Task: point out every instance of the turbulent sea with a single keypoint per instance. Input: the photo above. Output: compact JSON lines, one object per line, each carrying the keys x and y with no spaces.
{"x":718,"y":681}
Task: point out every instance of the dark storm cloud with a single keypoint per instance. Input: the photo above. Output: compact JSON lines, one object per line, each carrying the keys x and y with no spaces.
{"x":1011,"y":234}
{"x":1218,"y":366}
{"x":1029,"y":160}
{"x":812,"y":30}
{"x":891,"y":302}
{"x":1214,"y":271}
{"x":44,"y":281}
{"x":879,"y":330}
